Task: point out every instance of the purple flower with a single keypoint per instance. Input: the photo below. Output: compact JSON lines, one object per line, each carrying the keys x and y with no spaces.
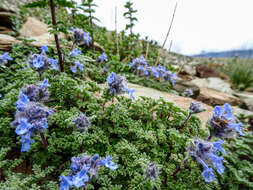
{"x":22,"y":102}
{"x":82,"y":122}
{"x":53,"y":63}
{"x":75,"y":52}
{"x":102,"y":58}
{"x":44,"y":49}
{"x":76,"y":65}
{"x":152,"y":171}
{"x":110,"y":79}
{"x":131,"y":91}
{"x":117,"y":84}
{"x":223,"y":122}
{"x":206,"y":154}
{"x":45,"y":84}
{"x":81,"y":177}
{"x":108,"y":163}
{"x":81,"y":37}
{"x":4,"y":58}
{"x":196,"y":107}
{"x":188,"y":92}
{"x":66,"y":182}
{"x":26,"y":142}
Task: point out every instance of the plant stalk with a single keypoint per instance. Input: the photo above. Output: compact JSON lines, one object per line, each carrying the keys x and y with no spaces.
{"x":44,"y":140}
{"x":52,"y":8}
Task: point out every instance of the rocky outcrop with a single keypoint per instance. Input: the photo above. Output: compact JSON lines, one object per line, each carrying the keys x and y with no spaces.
{"x":6,"y":42}
{"x":33,"y":27}
{"x":12,"y":5}
{"x":213,"y":83}
{"x":247,"y":98}
{"x":182,"y":85}
{"x":213,"y":98}
{"x":203,"y":71}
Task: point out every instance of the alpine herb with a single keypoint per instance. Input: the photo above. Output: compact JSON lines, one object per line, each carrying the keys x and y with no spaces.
{"x":81,"y":37}
{"x":152,"y":171}
{"x":80,"y":167}
{"x":223,"y":122}
{"x":206,"y":154}
{"x":82,"y":122}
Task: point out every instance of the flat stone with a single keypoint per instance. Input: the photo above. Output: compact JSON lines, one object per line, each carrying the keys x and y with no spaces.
{"x":213,"y":83}
{"x":204,"y":71}
{"x":247,"y":98}
{"x":182,"y":85}
{"x":33,"y":27}
{"x":213,"y":98}
{"x":237,"y":111}
{"x":6,"y":42}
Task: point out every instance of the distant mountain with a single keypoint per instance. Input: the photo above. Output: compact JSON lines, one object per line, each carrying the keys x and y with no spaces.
{"x":231,"y":53}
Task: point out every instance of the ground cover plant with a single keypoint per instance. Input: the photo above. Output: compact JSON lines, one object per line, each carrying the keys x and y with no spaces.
{"x":61,"y":130}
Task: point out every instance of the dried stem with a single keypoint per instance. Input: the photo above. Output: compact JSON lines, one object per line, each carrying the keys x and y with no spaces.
{"x":52,"y":8}
{"x":116,"y":33}
{"x":44,"y":140}
{"x":167,"y":35}
{"x":186,"y":121}
{"x":147,"y":49}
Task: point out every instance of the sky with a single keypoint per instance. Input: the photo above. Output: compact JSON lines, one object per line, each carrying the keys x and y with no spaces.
{"x":199,"y":25}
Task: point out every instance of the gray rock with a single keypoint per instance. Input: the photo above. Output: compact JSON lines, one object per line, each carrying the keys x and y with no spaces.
{"x":247,"y":98}
{"x":182,"y":85}
{"x":12,"y":5}
{"x":237,"y":111}
{"x":213,"y":83}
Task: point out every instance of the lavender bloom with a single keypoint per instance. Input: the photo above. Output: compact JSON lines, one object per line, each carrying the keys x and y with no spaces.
{"x":196,"y":107}
{"x":117,"y":84}
{"x":54,"y":63}
{"x":75,"y":52}
{"x":44,"y":49}
{"x":81,"y":37}
{"x":30,"y":118}
{"x":154,"y":72}
{"x":152,"y":172}
{"x":206,"y":154}
{"x":37,"y":93}
{"x":82,"y":122}
{"x":131,"y":91}
{"x":76,"y":65}
{"x":80,"y":167}
{"x":169,"y":76}
{"x":188,"y":92}
{"x":139,"y":61}
{"x":102,"y":58}
{"x":223,"y":122}
{"x":4,"y":58}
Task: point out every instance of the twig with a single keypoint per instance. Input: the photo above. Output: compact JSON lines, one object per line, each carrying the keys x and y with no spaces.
{"x":186,"y":121}
{"x":116,"y":33}
{"x":52,"y":8}
{"x":147,"y":49}
{"x":44,"y":140}
{"x":167,"y":35}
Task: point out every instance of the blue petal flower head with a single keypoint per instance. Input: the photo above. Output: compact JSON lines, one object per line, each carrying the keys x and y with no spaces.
{"x":4,"y":58}
{"x":87,"y":38}
{"x":73,"y":69}
{"x":79,"y":65}
{"x":131,"y":91}
{"x":54,"y":63}
{"x":196,"y":107}
{"x":45,"y":84}
{"x":82,"y":122}
{"x":208,"y":175}
{"x":110,"y":78}
{"x":75,"y":52}
{"x":66,"y":182}
{"x":76,"y":65}
{"x":188,"y":92}
{"x":22,"y":102}
{"x":102,"y":58}
{"x":171,"y":77}
{"x":23,"y":127}
{"x":26,"y":142}
{"x":44,"y":49}
{"x":36,"y":93}
{"x":108,"y":163}
{"x":81,"y":177}
{"x":152,"y":171}
{"x":224,"y":123}
{"x":205,"y":153}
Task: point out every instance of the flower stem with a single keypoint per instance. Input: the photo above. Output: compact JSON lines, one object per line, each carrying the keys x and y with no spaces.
{"x":44,"y":140}
{"x":52,"y":8}
{"x":186,"y":121}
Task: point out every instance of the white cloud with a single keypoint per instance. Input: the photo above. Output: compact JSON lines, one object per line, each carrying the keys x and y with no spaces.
{"x":199,"y":24}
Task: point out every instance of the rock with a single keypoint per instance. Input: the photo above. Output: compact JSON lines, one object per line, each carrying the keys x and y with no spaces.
{"x":98,"y":47}
{"x":213,"y":83}
{"x":5,"y":18}
{"x":204,"y":71}
{"x":6,"y":42}
{"x":249,"y":89}
{"x":33,"y":27}
{"x":213,"y":98}
{"x":188,"y":69}
{"x":13,"y":5}
{"x":180,"y":101}
{"x":182,"y":85}
{"x":237,"y":111}
{"x":5,"y":30}
{"x":247,"y":98}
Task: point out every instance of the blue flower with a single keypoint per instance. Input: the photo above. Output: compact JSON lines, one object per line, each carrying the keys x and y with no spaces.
{"x":218,"y":146}
{"x":208,"y":175}
{"x":108,"y":163}
{"x":223,"y":122}
{"x":75,"y":52}
{"x":131,"y":91}
{"x":81,"y":36}
{"x":44,"y":49}
{"x":102,"y":58}
{"x":196,"y":107}
{"x":45,"y":84}
{"x":110,"y":78}
{"x":22,"y":102}
{"x":5,"y":57}
{"x":53,"y":63}
{"x":81,"y":177}
{"x":76,"y":64}
{"x":66,"y":182}
{"x":82,"y":122}
{"x":26,"y":142}
{"x":23,"y":126}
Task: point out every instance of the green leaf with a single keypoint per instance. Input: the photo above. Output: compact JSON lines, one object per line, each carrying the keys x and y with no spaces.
{"x":39,"y":3}
{"x":66,"y":3}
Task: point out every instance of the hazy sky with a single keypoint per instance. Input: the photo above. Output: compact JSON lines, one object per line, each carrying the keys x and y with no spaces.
{"x":209,"y":25}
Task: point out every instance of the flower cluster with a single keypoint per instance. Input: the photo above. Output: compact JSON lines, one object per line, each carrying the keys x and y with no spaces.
{"x":31,"y":116}
{"x":4,"y":58}
{"x":140,"y":66}
{"x":118,"y":85}
{"x":206,"y":154}
{"x":102,"y":58}
{"x":188,"y":92}
{"x":39,"y":62}
{"x":196,"y":107}
{"x":152,"y":171}
{"x":81,"y":167}
{"x":81,"y":37}
{"x":223,"y":122}
{"x":82,"y":122}
{"x":75,"y":64}
{"x":37,"y":93}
